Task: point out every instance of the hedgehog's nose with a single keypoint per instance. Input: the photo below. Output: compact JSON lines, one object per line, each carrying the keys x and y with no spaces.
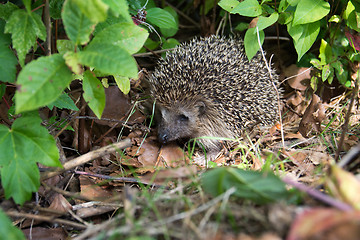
{"x":163,"y":137}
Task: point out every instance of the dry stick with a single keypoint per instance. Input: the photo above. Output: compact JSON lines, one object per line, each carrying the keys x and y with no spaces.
{"x":88,"y":157}
{"x":46,"y":219}
{"x":347,"y":117}
{"x":48,"y":27}
{"x":318,"y":195}
{"x":277,"y":92}
{"x":184,"y":15}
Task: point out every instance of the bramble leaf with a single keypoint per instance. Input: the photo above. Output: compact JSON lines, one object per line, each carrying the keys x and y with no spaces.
{"x":119,"y":7}
{"x":8,"y":64}
{"x":94,"y":93}
{"x":109,"y":59}
{"x":77,"y":26}
{"x":95,"y":10}
{"x":21,"y":147}
{"x":41,"y":82}
{"x":24,"y":27}
{"x":123,"y":83}
{"x":125,"y":35}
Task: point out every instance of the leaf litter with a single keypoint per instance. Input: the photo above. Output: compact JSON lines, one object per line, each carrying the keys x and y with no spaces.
{"x":147,"y":189}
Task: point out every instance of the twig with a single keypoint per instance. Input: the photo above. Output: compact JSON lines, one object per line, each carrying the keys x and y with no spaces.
{"x":318,"y":195}
{"x":48,"y":28}
{"x":277,"y":92}
{"x":89,"y":157}
{"x":347,"y":117}
{"x":183,"y":15}
{"x":46,"y":219}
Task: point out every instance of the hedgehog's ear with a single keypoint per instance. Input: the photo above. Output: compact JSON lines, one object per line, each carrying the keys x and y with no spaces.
{"x":201,"y":106}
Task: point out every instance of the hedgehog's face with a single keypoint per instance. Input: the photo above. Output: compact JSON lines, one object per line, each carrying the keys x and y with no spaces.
{"x":179,"y":122}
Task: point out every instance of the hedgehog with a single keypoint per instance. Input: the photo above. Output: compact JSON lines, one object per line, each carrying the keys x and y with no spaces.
{"x":208,"y":87}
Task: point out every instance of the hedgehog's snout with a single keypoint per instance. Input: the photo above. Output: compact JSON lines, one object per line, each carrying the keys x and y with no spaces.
{"x":163,"y":137}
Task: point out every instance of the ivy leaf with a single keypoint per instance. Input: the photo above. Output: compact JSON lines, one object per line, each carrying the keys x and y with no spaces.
{"x":109,"y":59}
{"x":8,"y":64}
{"x":125,"y":35}
{"x":95,"y":10}
{"x":24,"y":28}
{"x":119,"y":7}
{"x":8,"y":229}
{"x":77,"y":26}
{"x":309,"y":11}
{"x":260,"y":187}
{"x":304,"y":36}
{"x":248,"y":8}
{"x":41,"y":82}
{"x":94,"y":93}
{"x":22,"y":146}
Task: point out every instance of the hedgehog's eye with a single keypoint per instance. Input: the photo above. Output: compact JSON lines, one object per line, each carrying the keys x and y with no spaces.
{"x":183,"y":118}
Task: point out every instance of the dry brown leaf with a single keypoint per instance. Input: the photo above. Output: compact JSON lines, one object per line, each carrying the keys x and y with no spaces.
{"x":298,"y":77}
{"x":313,"y":116}
{"x":41,"y":233}
{"x":92,"y":191}
{"x":326,"y":224}
{"x":117,"y":107}
{"x":60,"y":203}
{"x":344,"y":186}
{"x":163,"y":175}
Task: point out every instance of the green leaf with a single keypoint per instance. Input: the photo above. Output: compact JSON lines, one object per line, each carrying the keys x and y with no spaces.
{"x":265,"y":22}
{"x":123,"y":83}
{"x":7,"y":9}
{"x":169,"y":32}
{"x":77,"y":26}
{"x":326,"y":72}
{"x":8,"y":64}
{"x":228,"y":5}
{"x":341,"y":73}
{"x":304,"y":36}
{"x":161,"y":18}
{"x":41,"y":82}
{"x":5,"y":39}
{"x":251,"y":42}
{"x":128,"y":36}
{"x":325,"y":52}
{"x":64,"y":46}
{"x":109,"y":59}
{"x":8,"y":229}
{"x":21,"y":147}
{"x":64,"y":101}
{"x":119,"y":7}
{"x":55,"y":7}
{"x":248,"y":8}
{"x":72,"y":61}
{"x":94,"y":93}
{"x":260,"y":187}
{"x":24,"y":29}
{"x":95,"y":10}
{"x":308,"y":11}
{"x":168,"y":44}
